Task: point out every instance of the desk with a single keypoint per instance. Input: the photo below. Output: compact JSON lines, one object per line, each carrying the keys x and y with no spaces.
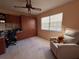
{"x":2,"y":45}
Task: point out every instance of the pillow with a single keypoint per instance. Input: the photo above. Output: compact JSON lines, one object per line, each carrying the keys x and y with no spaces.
{"x":69,"y":33}
{"x":69,"y":39}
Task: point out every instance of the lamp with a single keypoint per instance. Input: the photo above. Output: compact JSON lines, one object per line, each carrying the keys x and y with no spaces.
{"x":2,"y":21}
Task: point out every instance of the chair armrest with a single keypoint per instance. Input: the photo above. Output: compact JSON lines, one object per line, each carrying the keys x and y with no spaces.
{"x":70,"y":50}
{"x":70,"y":45}
{"x":54,"y":40}
{"x":51,"y":39}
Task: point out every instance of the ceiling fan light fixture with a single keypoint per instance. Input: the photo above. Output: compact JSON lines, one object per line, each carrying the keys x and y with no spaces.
{"x":28,"y":6}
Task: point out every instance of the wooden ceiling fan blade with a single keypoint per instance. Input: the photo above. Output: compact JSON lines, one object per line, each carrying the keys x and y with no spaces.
{"x":36,"y":8}
{"x":19,"y":7}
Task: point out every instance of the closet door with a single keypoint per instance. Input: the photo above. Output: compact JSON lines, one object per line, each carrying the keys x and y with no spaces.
{"x":28,"y":27}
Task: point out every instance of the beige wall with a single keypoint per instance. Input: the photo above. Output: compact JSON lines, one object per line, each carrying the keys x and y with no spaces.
{"x":70,"y":20}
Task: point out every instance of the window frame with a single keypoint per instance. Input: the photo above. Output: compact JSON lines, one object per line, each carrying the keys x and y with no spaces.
{"x":50,"y":22}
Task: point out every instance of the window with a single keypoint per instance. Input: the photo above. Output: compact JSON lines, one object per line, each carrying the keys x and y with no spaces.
{"x":56,"y":22}
{"x":52,"y":23}
{"x":45,"y":23}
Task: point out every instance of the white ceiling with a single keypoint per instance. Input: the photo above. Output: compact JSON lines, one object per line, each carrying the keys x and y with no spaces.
{"x":7,"y":6}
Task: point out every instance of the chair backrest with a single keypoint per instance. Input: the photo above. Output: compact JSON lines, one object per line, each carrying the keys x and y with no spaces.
{"x":11,"y":34}
{"x":71,"y":35}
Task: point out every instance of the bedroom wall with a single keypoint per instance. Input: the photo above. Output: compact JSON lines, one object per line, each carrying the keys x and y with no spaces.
{"x":70,"y":19}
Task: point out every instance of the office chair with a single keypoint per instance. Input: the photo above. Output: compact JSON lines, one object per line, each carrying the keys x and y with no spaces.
{"x":11,"y":37}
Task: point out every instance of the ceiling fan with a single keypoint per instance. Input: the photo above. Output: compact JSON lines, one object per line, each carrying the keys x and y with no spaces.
{"x":28,"y":6}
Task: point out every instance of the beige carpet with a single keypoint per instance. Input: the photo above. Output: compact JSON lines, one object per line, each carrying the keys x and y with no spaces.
{"x":31,"y":48}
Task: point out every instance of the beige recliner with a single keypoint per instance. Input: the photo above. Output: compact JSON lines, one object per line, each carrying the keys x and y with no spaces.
{"x":65,"y":51}
{"x":69,"y":49}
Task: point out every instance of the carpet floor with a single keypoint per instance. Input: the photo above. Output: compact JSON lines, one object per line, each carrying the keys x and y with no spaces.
{"x":31,"y":48}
